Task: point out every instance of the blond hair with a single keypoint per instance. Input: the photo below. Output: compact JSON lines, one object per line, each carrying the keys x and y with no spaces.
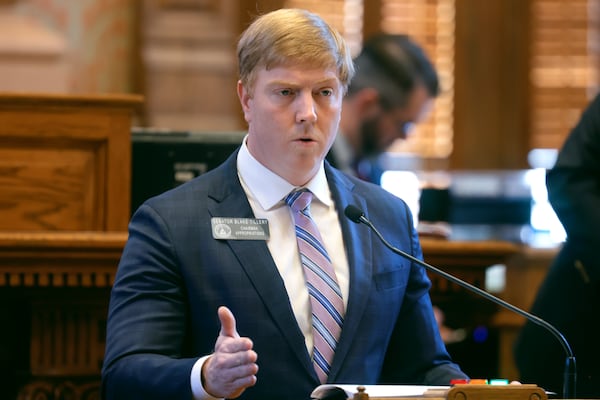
{"x":288,"y":37}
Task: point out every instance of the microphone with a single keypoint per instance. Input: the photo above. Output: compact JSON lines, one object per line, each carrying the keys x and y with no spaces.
{"x":356,"y":215}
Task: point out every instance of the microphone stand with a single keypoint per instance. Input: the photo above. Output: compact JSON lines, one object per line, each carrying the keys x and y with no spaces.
{"x":570,"y":374}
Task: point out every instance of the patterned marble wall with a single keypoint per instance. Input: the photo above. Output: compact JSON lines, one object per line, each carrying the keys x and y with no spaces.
{"x":98,"y":35}
{"x":179,"y":54}
{"x":188,"y":52}
{"x":32,"y":57}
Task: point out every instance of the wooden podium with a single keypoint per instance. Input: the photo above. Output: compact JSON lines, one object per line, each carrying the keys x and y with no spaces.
{"x":65,"y":162}
{"x":65,"y":165}
{"x":470,"y":392}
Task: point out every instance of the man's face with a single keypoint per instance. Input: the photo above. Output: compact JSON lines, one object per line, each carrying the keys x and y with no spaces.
{"x":293,"y":115}
{"x":379,"y":132}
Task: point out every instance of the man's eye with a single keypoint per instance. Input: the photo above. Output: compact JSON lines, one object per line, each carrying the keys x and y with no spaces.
{"x":286,"y":92}
{"x":326,"y":92}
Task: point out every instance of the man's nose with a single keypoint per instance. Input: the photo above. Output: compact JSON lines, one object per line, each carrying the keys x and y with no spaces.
{"x":306,"y":108}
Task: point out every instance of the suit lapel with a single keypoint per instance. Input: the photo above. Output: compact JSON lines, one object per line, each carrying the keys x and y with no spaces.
{"x":256,"y":260}
{"x":359,"y":262}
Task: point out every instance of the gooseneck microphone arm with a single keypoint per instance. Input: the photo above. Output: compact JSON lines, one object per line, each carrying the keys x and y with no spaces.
{"x":356,"y":215}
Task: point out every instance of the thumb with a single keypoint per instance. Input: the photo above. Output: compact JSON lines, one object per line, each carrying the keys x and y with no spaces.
{"x":227,"y":322}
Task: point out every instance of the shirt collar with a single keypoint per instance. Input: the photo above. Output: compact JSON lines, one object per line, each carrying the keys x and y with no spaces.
{"x":268,"y":188}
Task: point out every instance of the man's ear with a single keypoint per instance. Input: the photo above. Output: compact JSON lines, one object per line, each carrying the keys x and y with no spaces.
{"x":367,"y":102}
{"x":244,"y":97}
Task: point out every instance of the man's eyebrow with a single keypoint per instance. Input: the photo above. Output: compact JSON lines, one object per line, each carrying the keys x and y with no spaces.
{"x":326,"y":81}
{"x":281,"y":83}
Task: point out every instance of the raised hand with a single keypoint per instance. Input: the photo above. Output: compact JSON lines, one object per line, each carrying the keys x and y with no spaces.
{"x":232,"y":367}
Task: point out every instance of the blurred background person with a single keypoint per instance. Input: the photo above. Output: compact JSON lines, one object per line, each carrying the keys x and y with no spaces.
{"x":569,"y":297}
{"x":394,"y":87}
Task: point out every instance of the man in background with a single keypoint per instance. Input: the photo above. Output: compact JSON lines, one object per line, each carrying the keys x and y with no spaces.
{"x":394,"y":87}
{"x":569,"y":297}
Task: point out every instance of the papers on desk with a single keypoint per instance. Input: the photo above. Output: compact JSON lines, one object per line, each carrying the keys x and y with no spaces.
{"x":333,"y":391}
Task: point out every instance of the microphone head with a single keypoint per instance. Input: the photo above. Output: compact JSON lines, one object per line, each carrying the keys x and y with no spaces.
{"x":354,"y":213}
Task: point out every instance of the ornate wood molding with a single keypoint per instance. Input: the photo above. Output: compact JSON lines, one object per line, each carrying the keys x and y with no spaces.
{"x":60,"y":389}
{"x":60,"y":259}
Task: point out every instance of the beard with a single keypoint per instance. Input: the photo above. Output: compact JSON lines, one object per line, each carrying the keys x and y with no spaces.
{"x":369,"y":137}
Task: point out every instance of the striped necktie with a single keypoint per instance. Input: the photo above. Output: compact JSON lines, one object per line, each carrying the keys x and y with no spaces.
{"x":323,"y":289}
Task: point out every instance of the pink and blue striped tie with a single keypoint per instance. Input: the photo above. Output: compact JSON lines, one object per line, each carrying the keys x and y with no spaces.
{"x":323,"y":289}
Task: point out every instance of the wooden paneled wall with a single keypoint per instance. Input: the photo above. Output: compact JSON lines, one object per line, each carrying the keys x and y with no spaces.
{"x":180,"y":55}
{"x":491,"y":120}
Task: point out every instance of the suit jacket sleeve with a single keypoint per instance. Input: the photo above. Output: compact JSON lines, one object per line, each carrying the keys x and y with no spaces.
{"x":147,"y":294}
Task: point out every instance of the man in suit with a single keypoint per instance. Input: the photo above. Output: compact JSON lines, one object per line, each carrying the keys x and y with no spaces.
{"x":208,"y":303}
{"x":394,"y":88}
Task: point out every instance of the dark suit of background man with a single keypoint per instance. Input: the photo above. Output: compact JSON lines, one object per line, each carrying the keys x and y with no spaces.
{"x":193,"y":315}
{"x":569,"y":297}
{"x":394,"y":87}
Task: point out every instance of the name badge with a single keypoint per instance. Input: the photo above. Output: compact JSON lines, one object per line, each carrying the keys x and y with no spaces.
{"x":240,"y":228}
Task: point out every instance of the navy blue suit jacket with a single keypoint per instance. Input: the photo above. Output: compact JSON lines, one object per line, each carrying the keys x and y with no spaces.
{"x":173,"y":276}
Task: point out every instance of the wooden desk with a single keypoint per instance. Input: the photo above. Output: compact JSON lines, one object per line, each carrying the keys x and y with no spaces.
{"x":525,"y":272}
{"x":526,"y":267}
{"x":65,"y":161}
{"x":467,"y":260}
{"x":465,"y":311}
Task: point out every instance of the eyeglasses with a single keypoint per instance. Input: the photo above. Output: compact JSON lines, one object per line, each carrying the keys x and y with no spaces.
{"x":405,"y":127}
